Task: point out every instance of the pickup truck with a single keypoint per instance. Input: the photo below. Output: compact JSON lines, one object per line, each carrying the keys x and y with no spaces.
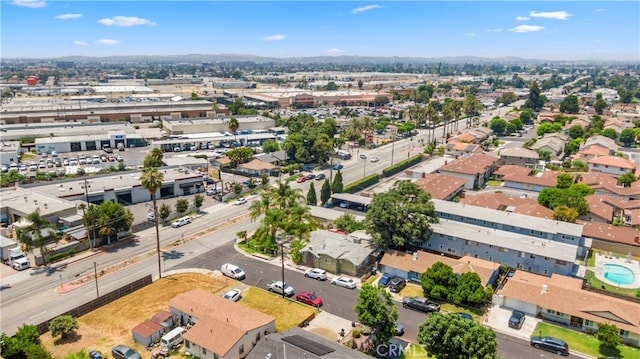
{"x":421,"y":304}
{"x":276,"y":287}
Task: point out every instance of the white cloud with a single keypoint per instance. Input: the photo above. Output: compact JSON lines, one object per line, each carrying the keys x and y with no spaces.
{"x":558,"y":15}
{"x":526,"y":28}
{"x":365,"y":8}
{"x":470,"y":34}
{"x":79,"y":43}
{"x":68,"y":16}
{"x":126,"y":21}
{"x":34,"y":4}
{"x":107,"y":42}
{"x":600,"y":10}
{"x":522,"y":18}
{"x":334,"y":51}
{"x":276,"y":37}
{"x":494,"y":30}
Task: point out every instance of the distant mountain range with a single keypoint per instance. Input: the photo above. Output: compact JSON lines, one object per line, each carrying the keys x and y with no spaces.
{"x":346,"y":60}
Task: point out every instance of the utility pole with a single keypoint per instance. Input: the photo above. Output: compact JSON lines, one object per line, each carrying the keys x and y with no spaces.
{"x":95,"y":274}
{"x":85,"y":185}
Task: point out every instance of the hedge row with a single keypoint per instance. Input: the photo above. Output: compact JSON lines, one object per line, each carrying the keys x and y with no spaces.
{"x":402,"y":165}
{"x":63,"y":255}
{"x":361,"y":184}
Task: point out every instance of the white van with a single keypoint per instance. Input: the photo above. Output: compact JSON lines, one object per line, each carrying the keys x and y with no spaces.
{"x":232,"y":271}
{"x":172,"y":339}
{"x":180,"y":222}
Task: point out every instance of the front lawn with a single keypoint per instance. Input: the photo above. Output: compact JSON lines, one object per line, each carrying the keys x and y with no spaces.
{"x":288,"y":313}
{"x":412,"y":290}
{"x":415,"y":351}
{"x":492,"y":183}
{"x":584,"y":343}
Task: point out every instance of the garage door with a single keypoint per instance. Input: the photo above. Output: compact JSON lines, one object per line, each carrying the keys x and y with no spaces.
{"x":515,"y":304}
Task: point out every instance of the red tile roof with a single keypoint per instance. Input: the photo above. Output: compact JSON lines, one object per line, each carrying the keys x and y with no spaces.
{"x":474,"y":164}
{"x":614,"y":161}
{"x":607,"y":232}
{"x":602,"y":181}
{"x":526,"y":206}
{"x":599,"y":207}
{"x":440,"y":185}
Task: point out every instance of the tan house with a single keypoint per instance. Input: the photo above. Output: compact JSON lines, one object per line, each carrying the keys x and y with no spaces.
{"x":502,"y":202}
{"x":617,"y":239}
{"x":220,"y":328}
{"x":591,"y":152}
{"x":455,"y":148}
{"x":561,"y":299}
{"x":519,"y":157}
{"x":441,"y":186}
{"x":553,"y":143}
{"x":256,"y":168}
{"x":475,"y":169}
{"x":339,"y":253}
{"x":613,"y":165}
{"x":602,"y":183}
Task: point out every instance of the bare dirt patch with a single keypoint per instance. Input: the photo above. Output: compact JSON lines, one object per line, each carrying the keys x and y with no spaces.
{"x":111,"y":325}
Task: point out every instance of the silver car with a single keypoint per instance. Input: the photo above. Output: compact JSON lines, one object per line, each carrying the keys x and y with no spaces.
{"x":344,"y":282}
{"x":233,"y":295}
{"x":316,"y":273}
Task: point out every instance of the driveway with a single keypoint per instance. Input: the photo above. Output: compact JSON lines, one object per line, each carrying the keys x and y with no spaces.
{"x":498,"y":319}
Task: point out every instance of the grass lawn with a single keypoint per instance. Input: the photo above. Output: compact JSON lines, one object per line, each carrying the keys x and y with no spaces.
{"x":452,"y":308}
{"x":494,"y":183}
{"x":111,"y":325}
{"x":373,"y":278}
{"x":584,"y":343}
{"x":415,"y":351}
{"x":251,"y":249}
{"x":594,"y":282}
{"x":288,"y":313}
{"x":411,"y":290}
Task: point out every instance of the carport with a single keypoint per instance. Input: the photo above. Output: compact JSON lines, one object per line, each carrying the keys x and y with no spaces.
{"x":352,"y":201}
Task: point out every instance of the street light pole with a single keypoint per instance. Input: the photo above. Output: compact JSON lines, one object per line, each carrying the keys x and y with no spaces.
{"x":85,"y":185}
{"x":95,"y":274}
{"x":282,"y":259}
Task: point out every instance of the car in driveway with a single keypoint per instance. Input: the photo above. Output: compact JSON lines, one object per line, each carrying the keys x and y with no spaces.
{"x":316,"y":273}
{"x":240,"y":201}
{"x":181,"y":222}
{"x":344,"y":282}
{"x":396,"y":284}
{"x":385,"y":279}
{"x":420,"y":304}
{"x":233,"y":295}
{"x":309,"y":298}
{"x":517,"y":319}
{"x":301,"y":179}
{"x":124,"y":352}
{"x":550,"y":344}
{"x":277,"y":287}
{"x":320,"y":176}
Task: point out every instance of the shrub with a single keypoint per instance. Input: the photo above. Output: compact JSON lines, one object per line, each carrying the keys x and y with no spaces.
{"x":361,"y":184}
{"x":355,"y":333}
{"x":402,"y":165}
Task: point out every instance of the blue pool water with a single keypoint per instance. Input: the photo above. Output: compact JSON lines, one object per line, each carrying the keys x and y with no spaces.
{"x":619,"y":274}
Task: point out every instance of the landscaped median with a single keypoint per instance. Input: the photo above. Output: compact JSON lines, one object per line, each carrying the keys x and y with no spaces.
{"x":584,"y":343}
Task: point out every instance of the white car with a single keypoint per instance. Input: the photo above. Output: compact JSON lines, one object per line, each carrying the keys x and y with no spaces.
{"x":181,"y":222}
{"x":276,"y":287}
{"x":375,"y":159}
{"x":232,"y":271}
{"x":240,"y":201}
{"x":211,"y":191}
{"x":233,"y":295}
{"x":344,"y":282}
{"x":316,"y":273}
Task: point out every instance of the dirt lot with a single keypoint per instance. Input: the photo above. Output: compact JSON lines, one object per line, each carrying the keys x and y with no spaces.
{"x":111,"y":325}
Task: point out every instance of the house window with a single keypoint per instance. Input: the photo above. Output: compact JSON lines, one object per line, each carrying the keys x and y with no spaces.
{"x":467,"y":242}
{"x":546,"y":272}
{"x":258,"y":336}
{"x":490,"y":259}
{"x":204,"y":351}
{"x":623,"y":333}
{"x":588,"y":323}
{"x":327,"y":260}
{"x":521,"y":255}
{"x":519,"y":266}
{"x":241,"y":350}
{"x":561,"y":263}
{"x":491,"y":246}
{"x":532,"y":256}
{"x":503,"y":250}
{"x":453,"y":251}
{"x":187,"y":344}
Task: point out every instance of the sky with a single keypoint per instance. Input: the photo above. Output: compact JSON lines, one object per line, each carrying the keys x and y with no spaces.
{"x":547,"y":30}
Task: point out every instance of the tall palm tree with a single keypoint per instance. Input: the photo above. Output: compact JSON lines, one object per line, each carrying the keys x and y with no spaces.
{"x":471,"y":107}
{"x":37,"y":233}
{"x":367,"y":125}
{"x":456,"y":111}
{"x":353,"y":131}
{"x":233,"y":126}
{"x":447,"y":115}
{"x":431,"y":114}
{"x":154,"y":158}
{"x":152,"y":181}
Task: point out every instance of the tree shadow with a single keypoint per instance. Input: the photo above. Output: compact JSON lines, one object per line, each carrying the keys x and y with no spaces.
{"x":607,"y":351}
{"x":172,"y":255}
{"x":67,"y":339}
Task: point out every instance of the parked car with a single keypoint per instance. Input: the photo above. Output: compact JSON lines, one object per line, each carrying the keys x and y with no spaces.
{"x":107,"y":149}
{"x":374,"y":159}
{"x":310,"y":176}
{"x":363,"y":156}
{"x":232,"y":271}
{"x":344,"y":282}
{"x":464,"y":315}
{"x":517,"y":319}
{"x":181,"y":222}
{"x":338,"y":167}
{"x":151,"y":217}
{"x":211,"y":191}
{"x":396,"y":284}
{"x":233,"y":295}
{"x":316,"y":273}
{"x":301,"y":179}
{"x":240,"y":201}
{"x":399,"y":329}
{"x":421,"y":304}
{"x":124,"y":352}
{"x":320,"y":176}
{"x":385,"y":279}
{"x":550,"y":344}
{"x":278,"y":287}
{"x":309,"y":298}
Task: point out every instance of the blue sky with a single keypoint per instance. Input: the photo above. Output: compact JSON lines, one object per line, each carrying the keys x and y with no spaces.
{"x":553,"y":30}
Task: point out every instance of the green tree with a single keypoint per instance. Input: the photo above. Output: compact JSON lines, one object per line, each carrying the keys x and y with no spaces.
{"x":569,"y":104}
{"x":401,"y":217}
{"x":237,"y":188}
{"x":469,"y":290}
{"x":312,"y":198}
{"x":565,"y":214}
{"x":63,"y":325}
{"x":439,"y":281}
{"x":498,"y":125}
{"x":452,"y":337}
{"x":264,"y":179}
{"x":165,"y":211}
{"x":151,"y":180}
{"x":544,"y":155}
{"x":295,"y":250}
{"x":197,"y":201}
{"x":599,"y":106}
{"x":610,"y":132}
{"x":627,"y":179}
{"x":37,"y":233}
{"x":526,"y":117}
{"x":376,"y":309}
{"x":270,"y":145}
{"x":325,"y":192}
{"x":110,"y":219}
{"x":154,"y":158}
{"x":182,"y":204}
{"x":576,"y":131}
{"x":360,"y":84}
{"x":608,"y":335}
{"x":347,"y":222}
{"x":337,"y":186}
{"x":535,"y":100}
{"x":233,"y":126}
{"x":628,"y":137}
{"x":24,"y":345}
{"x":240,"y":155}
{"x":548,"y":127}
{"x":564,"y":180}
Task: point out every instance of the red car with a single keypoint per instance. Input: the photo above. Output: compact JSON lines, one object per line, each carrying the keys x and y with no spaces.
{"x":301,"y":179}
{"x":309,"y":298}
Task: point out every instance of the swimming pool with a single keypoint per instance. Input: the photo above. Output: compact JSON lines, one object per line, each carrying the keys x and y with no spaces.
{"x":618,"y":274}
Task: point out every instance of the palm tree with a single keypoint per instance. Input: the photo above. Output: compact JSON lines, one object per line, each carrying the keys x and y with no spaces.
{"x":431,"y":114}
{"x":367,"y":125}
{"x":36,"y":233}
{"x":353,"y":131}
{"x":154,"y":158}
{"x":447,"y":115}
{"x":456,"y":110}
{"x":233,"y":126}
{"x":152,"y":181}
